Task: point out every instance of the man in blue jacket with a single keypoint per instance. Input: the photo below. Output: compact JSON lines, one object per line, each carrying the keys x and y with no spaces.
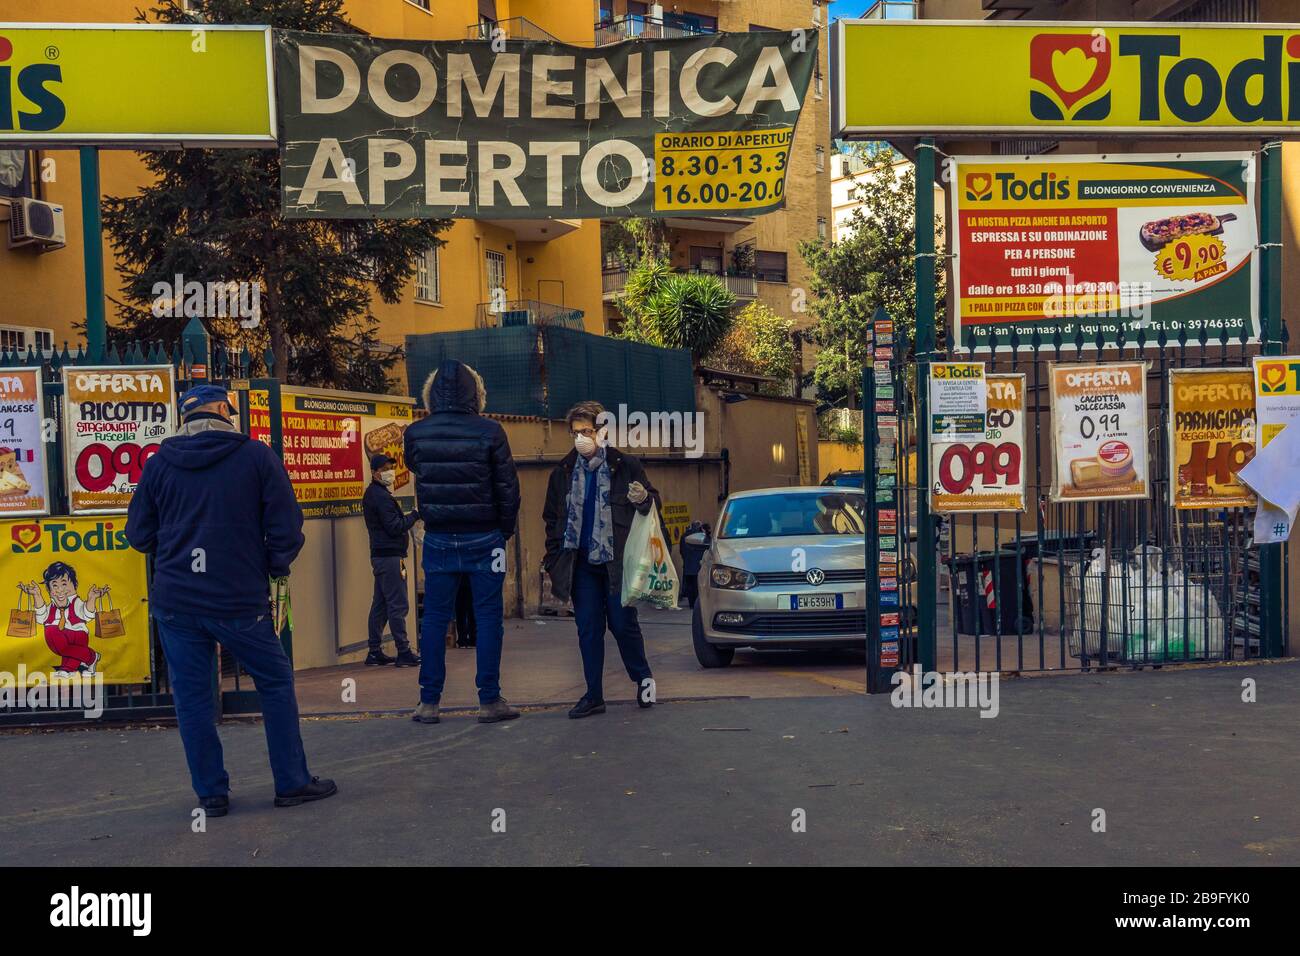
{"x":217,"y":512}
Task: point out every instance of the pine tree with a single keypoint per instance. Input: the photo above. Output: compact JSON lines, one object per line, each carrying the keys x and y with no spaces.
{"x":214,"y":215}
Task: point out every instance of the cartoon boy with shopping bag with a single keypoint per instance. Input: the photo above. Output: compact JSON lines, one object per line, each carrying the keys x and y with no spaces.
{"x":66,"y":618}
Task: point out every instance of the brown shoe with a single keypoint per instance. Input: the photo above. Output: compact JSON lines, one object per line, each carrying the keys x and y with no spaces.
{"x":425,"y":713}
{"x":495,"y":710}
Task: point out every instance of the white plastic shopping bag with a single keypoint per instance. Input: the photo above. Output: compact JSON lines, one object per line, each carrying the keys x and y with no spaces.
{"x":648,"y":572}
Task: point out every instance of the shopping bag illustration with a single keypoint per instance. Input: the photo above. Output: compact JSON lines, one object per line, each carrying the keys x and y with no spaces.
{"x":108,"y":620}
{"x":22,"y":623}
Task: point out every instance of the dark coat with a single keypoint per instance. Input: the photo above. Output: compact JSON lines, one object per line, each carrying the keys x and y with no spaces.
{"x":386,"y":522}
{"x":465,"y":478}
{"x":229,"y":495}
{"x":623,"y":470}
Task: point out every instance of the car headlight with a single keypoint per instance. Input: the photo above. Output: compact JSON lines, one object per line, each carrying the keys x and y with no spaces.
{"x":734,"y":579}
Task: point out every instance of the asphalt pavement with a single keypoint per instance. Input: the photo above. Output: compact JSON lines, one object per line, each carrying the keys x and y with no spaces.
{"x":1168,"y":767}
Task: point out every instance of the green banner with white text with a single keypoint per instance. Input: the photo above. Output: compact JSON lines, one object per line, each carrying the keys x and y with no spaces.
{"x":526,"y":129}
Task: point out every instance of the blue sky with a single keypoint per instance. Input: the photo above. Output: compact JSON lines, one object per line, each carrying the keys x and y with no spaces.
{"x":849,"y":8}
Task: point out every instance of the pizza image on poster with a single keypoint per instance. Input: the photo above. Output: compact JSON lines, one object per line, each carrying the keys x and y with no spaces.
{"x":1099,"y":427}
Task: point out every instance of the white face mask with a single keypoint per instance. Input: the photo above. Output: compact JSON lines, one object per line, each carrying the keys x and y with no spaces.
{"x":586,"y":446}
{"x":388,"y":478}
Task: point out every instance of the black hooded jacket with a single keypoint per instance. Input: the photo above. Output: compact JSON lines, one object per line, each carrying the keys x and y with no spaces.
{"x":465,"y":478}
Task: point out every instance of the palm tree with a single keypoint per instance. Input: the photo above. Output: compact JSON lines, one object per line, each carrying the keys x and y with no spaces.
{"x":690,"y":311}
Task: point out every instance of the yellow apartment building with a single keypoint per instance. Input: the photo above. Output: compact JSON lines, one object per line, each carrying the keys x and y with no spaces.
{"x":544,"y":266}
{"x":778,"y":276}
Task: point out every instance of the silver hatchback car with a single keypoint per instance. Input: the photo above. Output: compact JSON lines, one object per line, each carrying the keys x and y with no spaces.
{"x":785,"y":569}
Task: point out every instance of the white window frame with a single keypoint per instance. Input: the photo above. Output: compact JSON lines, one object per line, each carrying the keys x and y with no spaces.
{"x":31,"y":336}
{"x":820,"y":153}
{"x":491,"y":256}
{"x":428,"y":277}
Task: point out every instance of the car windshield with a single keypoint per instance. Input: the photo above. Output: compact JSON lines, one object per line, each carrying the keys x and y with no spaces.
{"x":799,"y":513}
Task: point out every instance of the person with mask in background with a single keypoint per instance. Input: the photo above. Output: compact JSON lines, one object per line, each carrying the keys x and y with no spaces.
{"x":467,"y":492}
{"x":692,"y":557}
{"x":387,"y":527}
{"x":217,"y":512}
{"x":590,"y":500}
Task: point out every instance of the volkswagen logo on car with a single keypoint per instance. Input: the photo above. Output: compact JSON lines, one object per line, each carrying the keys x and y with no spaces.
{"x":815,"y":576}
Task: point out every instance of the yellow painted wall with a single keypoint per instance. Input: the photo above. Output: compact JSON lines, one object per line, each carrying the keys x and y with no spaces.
{"x":46,"y":290}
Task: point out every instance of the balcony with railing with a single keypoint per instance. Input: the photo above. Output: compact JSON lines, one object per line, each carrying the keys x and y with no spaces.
{"x":512,"y":28}
{"x":639,"y":26}
{"x":743,"y":285}
{"x":493,"y":315}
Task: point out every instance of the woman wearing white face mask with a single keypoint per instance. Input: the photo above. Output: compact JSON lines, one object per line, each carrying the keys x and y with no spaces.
{"x":590,"y":500}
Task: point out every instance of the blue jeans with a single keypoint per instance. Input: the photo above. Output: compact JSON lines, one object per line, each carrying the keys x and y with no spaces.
{"x":189,"y":644}
{"x":480,"y":558}
{"x":594,"y":607}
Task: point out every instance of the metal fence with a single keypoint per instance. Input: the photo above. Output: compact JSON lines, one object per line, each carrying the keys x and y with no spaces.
{"x":1078,"y":585}
{"x":224,"y":367}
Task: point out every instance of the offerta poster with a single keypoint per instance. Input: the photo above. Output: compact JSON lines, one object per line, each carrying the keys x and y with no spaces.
{"x":114,"y":419}
{"x":329,"y":438}
{"x":71,"y":571}
{"x":1089,"y":244}
{"x":987,"y":474}
{"x":1099,"y":423}
{"x":1211,"y":436}
{"x":22,"y":449}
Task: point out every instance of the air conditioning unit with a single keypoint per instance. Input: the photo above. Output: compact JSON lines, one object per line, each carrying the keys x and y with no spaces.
{"x":36,"y":223}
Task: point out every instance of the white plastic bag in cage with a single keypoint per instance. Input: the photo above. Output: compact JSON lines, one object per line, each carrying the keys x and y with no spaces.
{"x":1095,"y":591}
{"x":1151,"y":610}
{"x":1183,"y":618}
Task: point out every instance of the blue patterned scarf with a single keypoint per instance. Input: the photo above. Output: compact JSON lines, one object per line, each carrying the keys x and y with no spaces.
{"x":601,"y":550}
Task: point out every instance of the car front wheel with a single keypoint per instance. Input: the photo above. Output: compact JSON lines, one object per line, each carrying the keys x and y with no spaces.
{"x":706,"y":653}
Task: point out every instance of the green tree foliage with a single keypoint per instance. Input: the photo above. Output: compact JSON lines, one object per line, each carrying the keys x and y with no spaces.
{"x":213,"y":215}
{"x":871,"y":267}
{"x":759,"y":343}
{"x":690,"y":311}
{"x":634,"y":239}
{"x":674,"y":310}
{"x":644,"y":280}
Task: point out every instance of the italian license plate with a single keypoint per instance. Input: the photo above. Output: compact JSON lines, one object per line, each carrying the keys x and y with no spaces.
{"x":816,"y":602}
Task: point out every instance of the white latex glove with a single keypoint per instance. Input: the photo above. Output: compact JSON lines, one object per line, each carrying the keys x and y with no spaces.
{"x":636,"y":493}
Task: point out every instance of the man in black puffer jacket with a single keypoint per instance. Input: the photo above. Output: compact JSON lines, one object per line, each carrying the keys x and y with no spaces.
{"x":467,"y":493}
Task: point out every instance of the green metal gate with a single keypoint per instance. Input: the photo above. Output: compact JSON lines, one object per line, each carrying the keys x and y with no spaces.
{"x":1041,"y":590}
